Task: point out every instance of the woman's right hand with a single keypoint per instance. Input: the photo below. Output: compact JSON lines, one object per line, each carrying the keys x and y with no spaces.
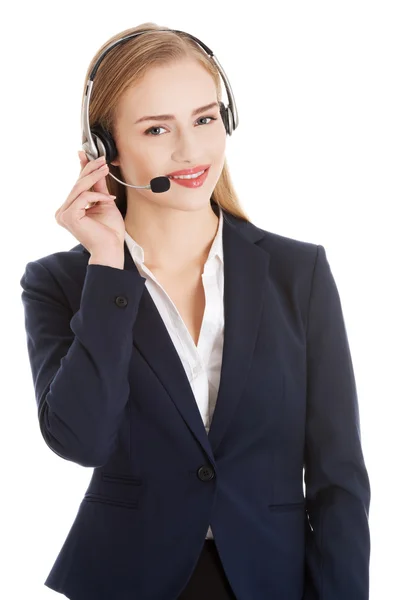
{"x":100,"y":227}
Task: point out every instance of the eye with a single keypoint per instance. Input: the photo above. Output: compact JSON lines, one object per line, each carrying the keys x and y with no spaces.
{"x":147,"y":132}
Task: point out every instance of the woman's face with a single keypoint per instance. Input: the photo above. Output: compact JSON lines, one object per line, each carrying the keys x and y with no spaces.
{"x":152,"y":148}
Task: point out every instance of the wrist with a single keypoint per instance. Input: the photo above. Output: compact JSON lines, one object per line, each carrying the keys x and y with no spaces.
{"x":108,"y":259}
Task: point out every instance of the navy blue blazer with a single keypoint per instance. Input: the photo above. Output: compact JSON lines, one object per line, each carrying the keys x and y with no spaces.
{"x":112,"y":394}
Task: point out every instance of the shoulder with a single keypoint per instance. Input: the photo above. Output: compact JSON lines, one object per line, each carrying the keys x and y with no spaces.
{"x":291,"y":254}
{"x":77,"y":256}
{"x":57,"y":272}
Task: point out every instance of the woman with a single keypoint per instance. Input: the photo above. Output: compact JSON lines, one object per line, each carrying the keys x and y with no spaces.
{"x":197,"y":362}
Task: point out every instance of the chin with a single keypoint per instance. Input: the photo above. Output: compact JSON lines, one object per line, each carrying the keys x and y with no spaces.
{"x":187,"y":204}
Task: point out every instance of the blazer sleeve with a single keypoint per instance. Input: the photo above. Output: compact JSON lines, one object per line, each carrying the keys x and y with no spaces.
{"x":336,"y":479}
{"x":80,"y":361}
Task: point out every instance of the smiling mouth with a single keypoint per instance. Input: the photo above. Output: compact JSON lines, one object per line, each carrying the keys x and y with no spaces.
{"x":190,"y":176}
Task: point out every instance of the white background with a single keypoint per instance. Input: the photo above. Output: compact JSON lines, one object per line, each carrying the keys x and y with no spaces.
{"x":315,"y":158}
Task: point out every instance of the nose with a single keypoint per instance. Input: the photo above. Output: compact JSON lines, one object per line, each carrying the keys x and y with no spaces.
{"x":187,"y":147}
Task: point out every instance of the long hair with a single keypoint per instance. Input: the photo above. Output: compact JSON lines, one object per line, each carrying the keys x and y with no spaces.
{"x":123,"y":67}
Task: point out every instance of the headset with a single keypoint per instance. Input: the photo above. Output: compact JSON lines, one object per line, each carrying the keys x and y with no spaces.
{"x":97,"y":141}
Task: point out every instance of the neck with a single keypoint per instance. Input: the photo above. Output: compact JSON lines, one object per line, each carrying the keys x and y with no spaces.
{"x":171,"y":239}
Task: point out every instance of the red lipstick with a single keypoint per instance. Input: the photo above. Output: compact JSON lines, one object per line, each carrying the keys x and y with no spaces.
{"x":194,"y":183}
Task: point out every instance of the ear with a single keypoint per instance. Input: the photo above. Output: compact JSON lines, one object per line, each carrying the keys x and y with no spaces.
{"x":115,"y":162}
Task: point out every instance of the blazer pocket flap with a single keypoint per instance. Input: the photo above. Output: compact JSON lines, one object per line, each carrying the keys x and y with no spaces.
{"x":121,"y":489}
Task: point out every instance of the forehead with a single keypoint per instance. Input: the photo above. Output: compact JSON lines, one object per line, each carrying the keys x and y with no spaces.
{"x":173,"y":88}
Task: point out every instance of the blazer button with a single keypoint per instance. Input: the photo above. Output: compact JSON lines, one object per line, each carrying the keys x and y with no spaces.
{"x":121,"y":301}
{"x":205,"y":473}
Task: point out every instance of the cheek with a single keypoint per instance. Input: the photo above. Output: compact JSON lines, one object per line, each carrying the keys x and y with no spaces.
{"x":218,"y":156}
{"x":220,"y":140}
{"x":140,"y":161}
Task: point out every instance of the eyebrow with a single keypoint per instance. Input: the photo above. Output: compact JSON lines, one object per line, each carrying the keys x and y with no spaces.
{"x":171,"y":117}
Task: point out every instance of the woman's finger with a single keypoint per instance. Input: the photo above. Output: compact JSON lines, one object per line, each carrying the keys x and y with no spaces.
{"x":91,"y":165}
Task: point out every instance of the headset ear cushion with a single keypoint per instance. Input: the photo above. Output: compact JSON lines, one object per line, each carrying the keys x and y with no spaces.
{"x":224,"y":116}
{"x":102,"y":137}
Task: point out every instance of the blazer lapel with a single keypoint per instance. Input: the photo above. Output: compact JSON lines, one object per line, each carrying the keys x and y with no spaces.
{"x":245,"y":275}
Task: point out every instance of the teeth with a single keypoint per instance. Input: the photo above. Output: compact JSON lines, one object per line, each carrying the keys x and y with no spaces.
{"x":194,"y":176}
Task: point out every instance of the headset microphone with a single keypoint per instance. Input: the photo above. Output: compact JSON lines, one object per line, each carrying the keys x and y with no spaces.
{"x":157,"y":184}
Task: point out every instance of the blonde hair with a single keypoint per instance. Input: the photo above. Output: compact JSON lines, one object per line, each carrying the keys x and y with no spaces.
{"x":125,"y":65}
